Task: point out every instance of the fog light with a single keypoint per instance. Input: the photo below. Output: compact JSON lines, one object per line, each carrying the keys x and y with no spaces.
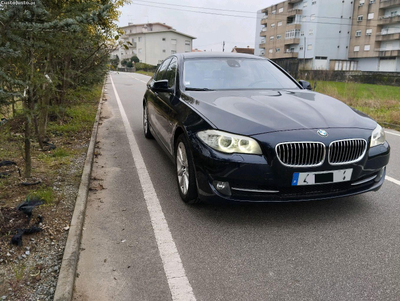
{"x":222,"y":187}
{"x":380,"y":174}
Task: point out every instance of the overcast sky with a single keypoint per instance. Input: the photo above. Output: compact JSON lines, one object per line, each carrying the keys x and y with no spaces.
{"x":209,"y":29}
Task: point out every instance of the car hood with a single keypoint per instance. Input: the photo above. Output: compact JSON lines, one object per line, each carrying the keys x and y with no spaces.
{"x":263,"y":111}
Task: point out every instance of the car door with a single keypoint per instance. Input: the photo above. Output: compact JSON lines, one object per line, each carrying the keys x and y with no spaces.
{"x":153,"y":103}
{"x":166,"y":116}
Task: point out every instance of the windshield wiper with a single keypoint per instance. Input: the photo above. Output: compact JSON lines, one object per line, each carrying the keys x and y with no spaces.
{"x":198,"y":89}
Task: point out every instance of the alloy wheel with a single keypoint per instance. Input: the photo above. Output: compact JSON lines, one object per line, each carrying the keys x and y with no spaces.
{"x":182,"y":166}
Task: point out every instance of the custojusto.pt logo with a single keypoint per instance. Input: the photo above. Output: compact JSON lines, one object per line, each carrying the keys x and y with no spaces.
{"x":3,"y":3}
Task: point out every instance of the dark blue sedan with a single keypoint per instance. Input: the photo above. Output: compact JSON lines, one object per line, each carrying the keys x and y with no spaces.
{"x":239,"y":128}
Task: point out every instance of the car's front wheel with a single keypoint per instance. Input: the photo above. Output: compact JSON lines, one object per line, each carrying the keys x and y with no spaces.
{"x":146,"y":126}
{"x":185,"y":175}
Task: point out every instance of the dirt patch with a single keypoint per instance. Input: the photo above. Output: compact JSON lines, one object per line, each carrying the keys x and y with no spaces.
{"x":13,"y":219}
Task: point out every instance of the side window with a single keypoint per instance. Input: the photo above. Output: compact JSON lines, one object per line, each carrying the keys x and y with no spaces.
{"x":171,"y":72}
{"x":161,"y":70}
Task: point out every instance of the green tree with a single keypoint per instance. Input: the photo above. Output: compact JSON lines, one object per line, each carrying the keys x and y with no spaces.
{"x":49,"y":49}
{"x":135,"y":59}
{"x":114,"y":62}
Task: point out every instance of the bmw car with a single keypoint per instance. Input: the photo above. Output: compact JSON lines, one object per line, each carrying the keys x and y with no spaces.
{"x":239,"y":128}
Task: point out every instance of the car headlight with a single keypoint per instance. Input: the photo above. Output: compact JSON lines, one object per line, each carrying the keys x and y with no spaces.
{"x":378,"y":136}
{"x":229,"y":143}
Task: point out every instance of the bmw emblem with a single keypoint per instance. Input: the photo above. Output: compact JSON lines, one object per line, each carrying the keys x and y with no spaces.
{"x":322,"y":133}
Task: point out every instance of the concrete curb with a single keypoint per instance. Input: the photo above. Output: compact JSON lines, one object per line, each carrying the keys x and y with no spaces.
{"x":66,"y":278}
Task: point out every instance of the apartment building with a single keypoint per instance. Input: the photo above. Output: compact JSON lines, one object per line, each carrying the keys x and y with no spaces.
{"x":337,"y":35}
{"x":152,"y":42}
{"x":316,"y":32}
{"x":375,"y":35}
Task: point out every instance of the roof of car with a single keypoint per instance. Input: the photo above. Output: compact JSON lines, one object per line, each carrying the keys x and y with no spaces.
{"x":191,"y":55}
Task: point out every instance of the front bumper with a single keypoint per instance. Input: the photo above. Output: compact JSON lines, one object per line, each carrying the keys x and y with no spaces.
{"x":255,"y":178}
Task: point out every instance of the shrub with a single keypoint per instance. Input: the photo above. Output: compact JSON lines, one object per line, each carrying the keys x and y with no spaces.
{"x":145,"y":67}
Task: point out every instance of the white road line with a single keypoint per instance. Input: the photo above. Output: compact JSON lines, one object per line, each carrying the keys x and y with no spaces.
{"x":137,"y":79}
{"x":391,"y":133}
{"x":392,"y":180}
{"x":179,"y":285}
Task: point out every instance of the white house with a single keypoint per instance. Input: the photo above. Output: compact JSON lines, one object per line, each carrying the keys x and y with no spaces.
{"x":152,"y":42}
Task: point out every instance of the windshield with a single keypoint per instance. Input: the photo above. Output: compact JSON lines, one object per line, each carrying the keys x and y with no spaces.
{"x":234,"y":73}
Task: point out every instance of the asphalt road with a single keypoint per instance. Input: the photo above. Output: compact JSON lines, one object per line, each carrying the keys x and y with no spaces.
{"x":343,"y":249}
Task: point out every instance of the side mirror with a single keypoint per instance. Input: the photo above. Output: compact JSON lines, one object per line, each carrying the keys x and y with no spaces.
{"x":161,"y":86}
{"x":305,"y":84}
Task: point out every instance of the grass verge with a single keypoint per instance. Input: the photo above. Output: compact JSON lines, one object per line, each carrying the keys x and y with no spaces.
{"x":380,"y":102}
{"x":145,"y":72}
{"x":59,"y":170}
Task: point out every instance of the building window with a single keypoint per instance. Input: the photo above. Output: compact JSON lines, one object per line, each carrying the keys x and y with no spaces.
{"x":370,"y":16}
{"x":371,"y":1}
{"x":271,"y":38}
{"x":309,"y":47}
{"x":139,"y":39}
{"x":292,"y":34}
{"x":279,"y":23}
{"x":173,"y":41}
{"x":361,"y":3}
{"x":311,"y":32}
{"x":367,"y":47}
{"x":273,"y":12}
{"x":164,"y":50}
{"x":280,"y":10}
{"x":140,"y":50}
{"x":304,"y":19}
{"x":187,"y":42}
{"x":302,"y":33}
{"x":270,"y":50}
{"x":360,"y":18}
{"x":358,"y":33}
{"x":273,"y":25}
{"x":312,"y":17}
{"x":278,"y":49}
{"x":368,"y":32}
{"x":163,"y":39}
{"x":305,"y":4}
{"x":314,"y":2}
{"x":278,"y":36}
{"x":301,"y":48}
{"x":393,"y":13}
{"x":356,"y":48}
{"x":173,"y":51}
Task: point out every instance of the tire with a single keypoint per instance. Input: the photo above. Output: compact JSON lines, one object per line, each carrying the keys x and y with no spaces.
{"x":146,"y":125}
{"x":185,"y":174}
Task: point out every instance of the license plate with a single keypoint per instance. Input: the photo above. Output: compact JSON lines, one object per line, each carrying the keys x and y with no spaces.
{"x":321,"y":177}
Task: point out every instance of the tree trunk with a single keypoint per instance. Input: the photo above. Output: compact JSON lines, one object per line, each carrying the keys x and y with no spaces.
{"x":27,"y":149}
{"x":38,"y":137}
{"x":2,"y":221}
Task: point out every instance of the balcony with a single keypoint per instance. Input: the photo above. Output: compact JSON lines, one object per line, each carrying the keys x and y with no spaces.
{"x":291,"y":26}
{"x":287,"y":55}
{"x":262,"y":45}
{"x":383,"y":20}
{"x":292,"y":41}
{"x":388,"y":53}
{"x":264,"y":21}
{"x":293,"y":12}
{"x":294,"y":1}
{"x":265,"y":10}
{"x":389,"y":3}
{"x":387,"y":37}
{"x":263,"y":33}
